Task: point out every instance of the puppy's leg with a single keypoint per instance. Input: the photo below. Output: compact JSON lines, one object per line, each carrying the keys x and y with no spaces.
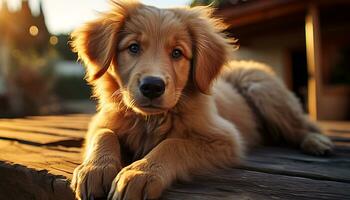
{"x":315,"y":142}
{"x":285,"y":120}
{"x":174,"y":159}
{"x":101,"y":164}
{"x":278,"y":109}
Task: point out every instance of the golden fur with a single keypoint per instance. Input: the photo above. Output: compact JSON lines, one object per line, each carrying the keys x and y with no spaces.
{"x":136,"y":147}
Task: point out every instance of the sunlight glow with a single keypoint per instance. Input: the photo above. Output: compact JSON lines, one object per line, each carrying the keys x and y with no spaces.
{"x":313,"y":59}
{"x":33,"y":31}
{"x":53,"y":40}
{"x":62,"y":16}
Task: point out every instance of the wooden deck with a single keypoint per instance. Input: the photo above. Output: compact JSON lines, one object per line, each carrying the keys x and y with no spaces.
{"x":38,"y":155}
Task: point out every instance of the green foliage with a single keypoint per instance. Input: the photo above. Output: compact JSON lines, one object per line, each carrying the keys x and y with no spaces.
{"x":72,"y":88}
{"x":63,"y":48}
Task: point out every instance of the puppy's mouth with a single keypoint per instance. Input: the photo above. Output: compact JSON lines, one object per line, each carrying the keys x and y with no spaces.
{"x":151,"y":109}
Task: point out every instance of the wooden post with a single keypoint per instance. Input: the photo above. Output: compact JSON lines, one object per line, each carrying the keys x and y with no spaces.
{"x":313,"y":50}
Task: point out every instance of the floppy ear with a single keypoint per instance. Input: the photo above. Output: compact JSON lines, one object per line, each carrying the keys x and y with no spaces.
{"x":96,"y":41}
{"x":211,"y":48}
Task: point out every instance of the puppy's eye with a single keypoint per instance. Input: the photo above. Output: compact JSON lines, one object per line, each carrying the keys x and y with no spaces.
{"x":134,"y":48}
{"x":176,"y":54}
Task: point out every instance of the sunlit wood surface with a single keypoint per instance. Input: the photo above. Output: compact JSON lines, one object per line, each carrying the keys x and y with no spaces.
{"x":38,"y":155}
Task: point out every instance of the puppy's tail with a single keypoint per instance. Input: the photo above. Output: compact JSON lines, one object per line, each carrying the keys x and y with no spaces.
{"x":277,"y":110}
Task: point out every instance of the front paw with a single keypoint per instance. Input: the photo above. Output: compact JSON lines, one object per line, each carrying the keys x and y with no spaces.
{"x":137,"y":181}
{"x":317,"y":144}
{"x":93,"y":180}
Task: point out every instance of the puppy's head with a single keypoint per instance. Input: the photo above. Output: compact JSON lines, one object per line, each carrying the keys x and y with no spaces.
{"x":151,"y":54}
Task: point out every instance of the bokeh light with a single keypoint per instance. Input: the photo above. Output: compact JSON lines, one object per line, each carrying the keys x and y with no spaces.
{"x":33,"y":30}
{"x":53,"y":40}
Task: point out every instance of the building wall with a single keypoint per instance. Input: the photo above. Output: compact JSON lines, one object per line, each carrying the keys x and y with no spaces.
{"x":334,"y":106}
{"x":272,"y":56}
{"x":274,"y":50}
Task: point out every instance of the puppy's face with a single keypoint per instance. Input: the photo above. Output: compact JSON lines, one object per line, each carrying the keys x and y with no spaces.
{"x":153,"y":59}
{"x":151,"y":54}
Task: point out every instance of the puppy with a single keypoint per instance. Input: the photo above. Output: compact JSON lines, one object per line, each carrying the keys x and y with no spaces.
{"x":161,"y":116}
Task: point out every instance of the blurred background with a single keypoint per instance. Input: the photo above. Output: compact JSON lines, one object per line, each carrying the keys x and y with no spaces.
{"x":307,"y":42}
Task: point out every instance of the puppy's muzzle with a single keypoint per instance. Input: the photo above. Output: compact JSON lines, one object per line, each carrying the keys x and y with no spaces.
{"x":152,"y":87}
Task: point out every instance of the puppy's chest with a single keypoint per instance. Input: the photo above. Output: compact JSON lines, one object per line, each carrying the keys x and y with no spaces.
{"x":144,"y":135}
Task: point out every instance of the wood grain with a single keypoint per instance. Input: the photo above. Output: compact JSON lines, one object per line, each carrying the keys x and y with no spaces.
{"x":45,"y":123}
{"x":39,"y":154}
{"x":56,"y":160}
{"x":21,"y":183}
{"x":285,"y":161}
{"x":243,"y":184}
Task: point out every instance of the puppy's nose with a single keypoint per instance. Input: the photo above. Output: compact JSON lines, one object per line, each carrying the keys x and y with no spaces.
{"x":152,"y":87}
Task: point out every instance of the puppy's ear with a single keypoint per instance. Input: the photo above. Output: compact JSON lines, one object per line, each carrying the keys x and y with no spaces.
{"x":96,"y":41}
{"x":210,"y":47}
{"x":95,"y":45}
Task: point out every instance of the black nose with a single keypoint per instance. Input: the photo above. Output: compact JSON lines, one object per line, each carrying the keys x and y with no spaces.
{"x":152,"y":87}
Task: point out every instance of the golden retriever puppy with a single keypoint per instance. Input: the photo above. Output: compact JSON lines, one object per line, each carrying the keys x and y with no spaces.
{"x":161,"y":116}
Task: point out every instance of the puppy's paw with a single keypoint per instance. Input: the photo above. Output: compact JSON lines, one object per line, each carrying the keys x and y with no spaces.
{"x":93,"y":180}
{"x":317,"y":144}
{"x":136,"y":182}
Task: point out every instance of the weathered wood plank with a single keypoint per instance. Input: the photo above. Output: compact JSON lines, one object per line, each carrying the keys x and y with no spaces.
{"x":226,"y":184}
{"x":35,"y":138}
{"x":71,"y":125}
{"x":20,"y":183}
{"x":339,"y":136}
{"x":243,"y":184}
{"x":267,"y":173}
{"x":41,"y":130}
{"x":67,"y":118}
{"x":56,"y":160}
{"x":278,"y":160}
{"x":335,"y":125}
